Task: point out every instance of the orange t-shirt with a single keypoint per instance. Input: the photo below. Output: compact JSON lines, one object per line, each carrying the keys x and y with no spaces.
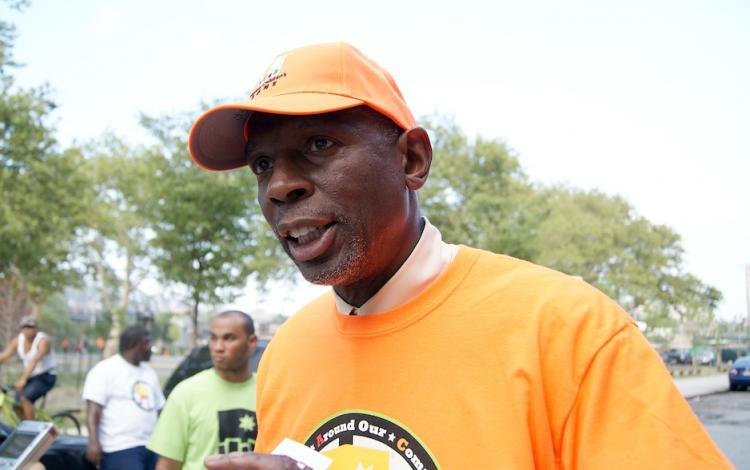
{"x":498,"y":364}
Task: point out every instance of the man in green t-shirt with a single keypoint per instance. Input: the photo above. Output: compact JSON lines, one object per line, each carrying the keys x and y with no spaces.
{"x":212,"y":412}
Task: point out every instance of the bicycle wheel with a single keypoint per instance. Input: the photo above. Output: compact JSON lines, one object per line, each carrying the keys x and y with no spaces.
{"x":67,"y":424}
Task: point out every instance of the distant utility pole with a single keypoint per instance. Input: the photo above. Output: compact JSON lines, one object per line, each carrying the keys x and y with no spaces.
{"x":747,"y":291}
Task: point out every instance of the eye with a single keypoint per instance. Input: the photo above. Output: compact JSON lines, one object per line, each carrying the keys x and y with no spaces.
{"x":319,"y":144}
{"x":261,"y":165}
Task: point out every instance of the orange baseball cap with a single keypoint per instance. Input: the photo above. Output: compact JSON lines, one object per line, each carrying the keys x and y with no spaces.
{"x":310,"y":80}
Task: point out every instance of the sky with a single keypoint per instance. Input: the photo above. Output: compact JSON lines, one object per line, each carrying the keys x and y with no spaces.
{"x":644,"y":99}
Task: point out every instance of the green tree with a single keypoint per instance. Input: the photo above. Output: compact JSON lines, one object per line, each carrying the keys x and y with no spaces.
{"x":43,"y":195}
{"x":478,"y":194}
{"x":54,"y":319}
{"x":638,"y":263}
{"x":209,"y":235}
{"x":116,"y":246}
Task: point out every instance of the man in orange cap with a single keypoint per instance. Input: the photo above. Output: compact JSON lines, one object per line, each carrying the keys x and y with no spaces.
{"x":424,"y":354}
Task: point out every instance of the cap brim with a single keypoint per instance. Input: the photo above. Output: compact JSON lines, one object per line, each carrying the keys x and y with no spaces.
{"x":216,"y":140}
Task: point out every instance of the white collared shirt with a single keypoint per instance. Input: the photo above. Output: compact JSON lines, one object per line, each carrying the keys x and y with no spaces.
{"x":428,"y":261}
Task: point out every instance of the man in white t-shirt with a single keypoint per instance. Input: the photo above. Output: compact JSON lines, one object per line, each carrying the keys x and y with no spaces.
{"x":123,"y":398}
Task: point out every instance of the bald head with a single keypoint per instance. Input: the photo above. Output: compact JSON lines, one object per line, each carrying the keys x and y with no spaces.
{"x":246,"y":319}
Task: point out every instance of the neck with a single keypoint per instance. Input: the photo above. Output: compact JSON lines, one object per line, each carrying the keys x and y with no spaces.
{"x":130,"y":357}
{"x":359,"y":292}
{"x":236,"y":376}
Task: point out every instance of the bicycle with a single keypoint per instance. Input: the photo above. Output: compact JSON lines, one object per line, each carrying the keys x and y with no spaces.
{"x":64,"y":421}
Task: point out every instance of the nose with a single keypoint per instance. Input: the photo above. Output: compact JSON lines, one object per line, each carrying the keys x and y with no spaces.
{"x":288,"y":183}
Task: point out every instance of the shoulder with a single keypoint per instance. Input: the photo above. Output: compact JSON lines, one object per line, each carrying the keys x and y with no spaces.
{"x":527,"y":282}
{"x":106,"y":366}
{"x":43,"y":338}
{"x":309,"y":314}
{"x":538,"y":300}
{"x":147,"y":368}
{"x":305,"y":324}
{"x":503,"y":268}
{"x":188,"y":388}
{"x":150,"y":371}
{"x":310,"y":318}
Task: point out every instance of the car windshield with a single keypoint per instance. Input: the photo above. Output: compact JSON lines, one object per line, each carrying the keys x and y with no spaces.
{"x":742,"y":362}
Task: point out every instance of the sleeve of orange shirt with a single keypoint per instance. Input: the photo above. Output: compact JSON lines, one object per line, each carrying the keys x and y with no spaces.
{"x":629,"y":414}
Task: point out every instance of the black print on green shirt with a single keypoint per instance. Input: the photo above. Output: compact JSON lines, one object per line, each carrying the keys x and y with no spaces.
{"x":238,"y":429}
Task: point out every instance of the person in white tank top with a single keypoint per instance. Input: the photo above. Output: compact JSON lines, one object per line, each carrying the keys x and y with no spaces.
{"x":39,"y":374}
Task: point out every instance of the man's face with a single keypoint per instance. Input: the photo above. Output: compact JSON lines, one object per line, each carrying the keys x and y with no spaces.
{"x":28,"y":332}
{"x":143,"y":350}
{"x":332,"y":187}
{"x":230,"y":345}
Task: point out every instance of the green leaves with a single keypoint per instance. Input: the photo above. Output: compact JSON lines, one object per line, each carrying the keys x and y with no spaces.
{"x":477,"y":194}
{"x":209,"y":235}
{"x":43,"y":194}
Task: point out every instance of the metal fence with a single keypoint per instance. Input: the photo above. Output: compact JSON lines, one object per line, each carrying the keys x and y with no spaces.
{"x":71,"y":373}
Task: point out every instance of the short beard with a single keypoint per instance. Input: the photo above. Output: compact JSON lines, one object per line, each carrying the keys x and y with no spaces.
{"x":237,"y":367}
{"x":346,"y":271}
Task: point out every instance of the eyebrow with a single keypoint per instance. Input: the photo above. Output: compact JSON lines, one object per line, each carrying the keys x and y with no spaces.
{"x":249,"y":147}
{"x":304,"y":121}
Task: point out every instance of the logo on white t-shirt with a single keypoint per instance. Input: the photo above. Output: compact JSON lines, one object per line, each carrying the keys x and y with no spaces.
{"x":143,"y":396}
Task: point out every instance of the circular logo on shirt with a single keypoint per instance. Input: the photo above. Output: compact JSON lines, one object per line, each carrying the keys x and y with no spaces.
{"x":143,"y":396}
{"x":361,"y":440}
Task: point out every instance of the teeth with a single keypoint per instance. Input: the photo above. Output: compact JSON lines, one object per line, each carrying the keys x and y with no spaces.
{"x":301,"y":232}
{"x":306,"y":234}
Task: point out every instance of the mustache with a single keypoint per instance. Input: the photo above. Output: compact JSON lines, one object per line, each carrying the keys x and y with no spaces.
{"x":300,"y":212}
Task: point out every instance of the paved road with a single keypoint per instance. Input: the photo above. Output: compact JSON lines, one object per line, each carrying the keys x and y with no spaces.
{"x":164,"y":365}
{"x":726,"y":417}
{"x":691,"y":387}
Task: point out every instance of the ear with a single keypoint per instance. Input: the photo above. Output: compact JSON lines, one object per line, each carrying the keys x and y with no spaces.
{"x":416,"y":151}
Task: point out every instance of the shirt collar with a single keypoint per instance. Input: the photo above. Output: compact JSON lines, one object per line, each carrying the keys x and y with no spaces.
{"x":428,"y":260}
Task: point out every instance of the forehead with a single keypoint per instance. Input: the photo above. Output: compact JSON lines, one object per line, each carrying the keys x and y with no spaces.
{"x":359,"y":120}
{"x":226,"y":324}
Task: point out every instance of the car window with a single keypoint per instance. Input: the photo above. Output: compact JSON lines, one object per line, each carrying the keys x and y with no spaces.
{"x":742,"y":362}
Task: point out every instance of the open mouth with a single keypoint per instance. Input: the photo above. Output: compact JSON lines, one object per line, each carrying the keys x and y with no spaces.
{"x":305,"y":235}
{"x":309,"y":242}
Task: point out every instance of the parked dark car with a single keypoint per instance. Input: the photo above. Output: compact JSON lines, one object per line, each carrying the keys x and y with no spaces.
{"x":739,"y":374}
{"x":679,"y":356}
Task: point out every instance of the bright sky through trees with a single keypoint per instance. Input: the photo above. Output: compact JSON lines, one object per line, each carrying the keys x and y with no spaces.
{"x":644,"y":99}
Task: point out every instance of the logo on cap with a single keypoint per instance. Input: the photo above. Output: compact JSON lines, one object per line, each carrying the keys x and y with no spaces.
{"x":272,"y":75}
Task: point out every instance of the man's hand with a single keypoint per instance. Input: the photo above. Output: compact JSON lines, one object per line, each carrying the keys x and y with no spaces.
{"x":252,"y":461}
{"x":94,"y":453}
{"x":20,"y":384}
